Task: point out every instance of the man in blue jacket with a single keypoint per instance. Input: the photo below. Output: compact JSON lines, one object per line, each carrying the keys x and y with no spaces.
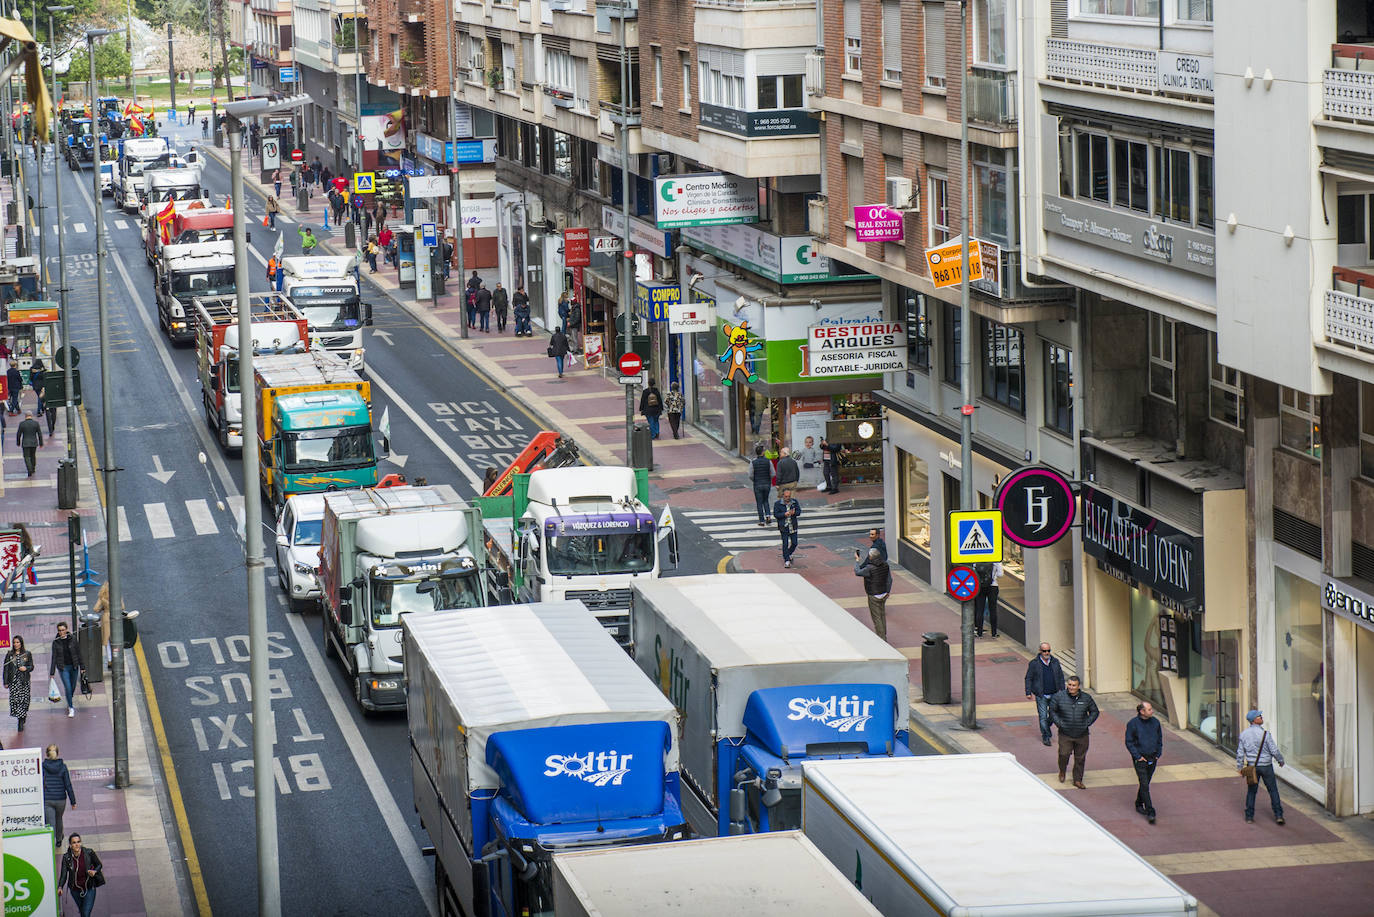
{"x":1044,"y":679}
{"x":761,"y":475}
{"x":1145,"y":742}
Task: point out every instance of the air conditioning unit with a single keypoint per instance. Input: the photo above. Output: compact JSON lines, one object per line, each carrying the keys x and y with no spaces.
{"x":560,"y":221}
{"x":900,"y":195}
{"x":663,"y":163}
{"x":534,"y":210}
{"x":818,"y":217}
{"x":815,"y":72}
{"x":667,"y":269}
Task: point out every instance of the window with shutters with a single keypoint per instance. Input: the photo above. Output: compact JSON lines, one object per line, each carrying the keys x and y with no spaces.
{"x":722,"y":77}
{"x":1137,"y":8}
{"x":853,"y":39}
{"x":892,"y":41}
{"x":935,"y":44}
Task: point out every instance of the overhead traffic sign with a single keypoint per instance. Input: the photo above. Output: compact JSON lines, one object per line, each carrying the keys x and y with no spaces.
{"x":1037,"y":505}
{"x":975,"y":536}
{"x":364,"y":182}
{"x":962,"y":583}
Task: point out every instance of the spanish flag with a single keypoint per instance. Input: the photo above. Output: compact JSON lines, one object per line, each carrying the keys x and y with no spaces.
{"x":164,"y":222}
{"x":133,"y":108}
{"x":136,"y":127}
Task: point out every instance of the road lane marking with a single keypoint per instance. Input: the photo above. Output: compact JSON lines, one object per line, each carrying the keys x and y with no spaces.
{"x":121,"y":224}
{"x":201,"y":518}
{"x":124,"y":533}
{"x":78,"y":227}
{"x":473,"y":477}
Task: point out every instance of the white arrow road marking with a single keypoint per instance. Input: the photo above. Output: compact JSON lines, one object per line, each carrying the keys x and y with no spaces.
{"x":162,"y":477}
{"x":384,"y":335}
{"x":400,"y":460}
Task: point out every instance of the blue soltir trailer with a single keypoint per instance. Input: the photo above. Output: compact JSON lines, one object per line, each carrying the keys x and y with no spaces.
{"x":767,"y":673}
{"x":531,"y":732}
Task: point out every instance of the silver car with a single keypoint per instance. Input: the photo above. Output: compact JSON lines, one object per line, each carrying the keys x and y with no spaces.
{"x":298,"y":549}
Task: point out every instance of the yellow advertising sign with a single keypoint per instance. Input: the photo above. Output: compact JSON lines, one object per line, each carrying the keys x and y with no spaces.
{"x":945,"y":263}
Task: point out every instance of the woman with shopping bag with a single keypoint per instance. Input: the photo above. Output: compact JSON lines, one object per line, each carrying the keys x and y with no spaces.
{"x":18,"y":670}
{"x":66,"y":662}
{"x":273,"y":208}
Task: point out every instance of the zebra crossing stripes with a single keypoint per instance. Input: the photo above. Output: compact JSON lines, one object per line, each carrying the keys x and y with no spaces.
{"x":740,"y":528}
{"x":161,"y":521}
{"x":51,"y":594}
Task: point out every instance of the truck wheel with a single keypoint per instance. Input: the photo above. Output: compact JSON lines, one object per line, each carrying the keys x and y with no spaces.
{"x":324,"y":632}
{"x":223,"y":435}
{"x":358,"y":692}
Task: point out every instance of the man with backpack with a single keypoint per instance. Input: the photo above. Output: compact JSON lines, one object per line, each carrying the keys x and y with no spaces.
{"x":651,"y":406}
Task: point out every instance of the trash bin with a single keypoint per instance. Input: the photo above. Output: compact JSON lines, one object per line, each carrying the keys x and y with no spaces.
{"x":350,"y":234}
{"x":935,"y":668}
{"x":66,"y":484}
{"x":642,"y":448}
{"x":92,"y":652}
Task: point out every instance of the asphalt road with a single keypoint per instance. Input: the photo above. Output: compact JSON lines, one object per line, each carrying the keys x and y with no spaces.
{"x":343,"y":778}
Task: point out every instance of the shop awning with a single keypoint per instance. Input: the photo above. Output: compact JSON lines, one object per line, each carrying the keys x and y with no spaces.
{"x":31,"y":312}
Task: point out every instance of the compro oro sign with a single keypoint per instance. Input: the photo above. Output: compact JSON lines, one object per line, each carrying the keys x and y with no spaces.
{"x":855,"y":349}
{"x":705,"y":200}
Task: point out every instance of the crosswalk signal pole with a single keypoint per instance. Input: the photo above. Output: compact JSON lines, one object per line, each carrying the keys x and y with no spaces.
{"x":968,"y":656}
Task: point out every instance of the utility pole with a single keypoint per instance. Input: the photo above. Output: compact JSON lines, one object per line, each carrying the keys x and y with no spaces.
{"x":969,"y":717}
{"x":107,"y":421}
{"x":38,"y":166}
{"x":69,"y":395}
{"x":627,"y":255}
{"x":129,"y":47}
{"x":453,"y":167}
{"x":171,"y":70}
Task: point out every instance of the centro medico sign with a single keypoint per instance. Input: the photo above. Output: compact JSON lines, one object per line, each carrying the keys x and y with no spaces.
{"x":705,"y":200}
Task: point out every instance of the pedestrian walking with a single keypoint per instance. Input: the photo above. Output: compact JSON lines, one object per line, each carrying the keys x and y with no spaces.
{"x":1073,"y":711}
{"x":37,"y":374}
{"x":558,"y":349}
{"x":446,"y":250}
{"x":370,"y":253}
{"x":295,"y":177}
{"x":315,"y":168}
{"x":273,"y":208}
{"x":985,"y":601}
{"x":29,"y":438}
{"x":875,"y":540}
{"x":651,"y":406}
{"x":204,"y":128}
{"x":832,"y":457}
{"x":308,"y":240}
{"x":57,"y":792}
{"x":14,"y":384}
{"x":18,"y":673}
{"x":385,"y":238}
{"x":1044,"y":679}
{"x":326,"y":178}
{"x":50,"y":414}
{"x":786,"y":511}
{"x":191,"y":113}
{"x":271,"y":270}
{"x":369,"y":217}
{"x":65,"y":662}
{"x":500,"y":301}
{"x":4,"y":356}
{"x":102,"y":608}
{"x":761,"y":474}
{"x":789,"y":473}
{"x":575,"y":325}
{"x":877,"y":575}
{"x":81,"y":874}
{"x":19,"y":589}
{"x":563,"y":310}
{"x":1256,"y":752}
{"x":276,"y":183}
{"x":673,"y":404}
{"x":520,"y":304}
{"x":482,"y":303}
{"x":1145,"y":742}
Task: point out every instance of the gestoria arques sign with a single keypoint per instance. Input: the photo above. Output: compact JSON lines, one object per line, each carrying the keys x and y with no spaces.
{"x":853,"y":349}
{"x":704,"y":200}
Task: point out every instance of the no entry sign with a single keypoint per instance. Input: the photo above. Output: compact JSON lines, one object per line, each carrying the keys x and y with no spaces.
{"x":630,"y":364}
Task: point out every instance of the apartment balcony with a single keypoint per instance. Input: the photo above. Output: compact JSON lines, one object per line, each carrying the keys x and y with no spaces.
{"x":412,"y":10}
{"x":1002,"y":280}
{"x":413,"y":72}
{"x":618,"y":9}
{"x":1143,"y":71}
{"x":992,"y":97}
{"x":749,"y":24}
{"x":759,"y":125}
{"x":1349,"y":310}
{"x":349,"y":60}
{"x":619,"y":114}
{"x":1348,"y":85}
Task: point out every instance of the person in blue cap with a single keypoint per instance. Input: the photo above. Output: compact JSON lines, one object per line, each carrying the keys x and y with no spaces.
{"x":1257,"y":747}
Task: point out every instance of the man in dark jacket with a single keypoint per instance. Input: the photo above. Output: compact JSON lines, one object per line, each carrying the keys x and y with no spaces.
{"x":1074,"y":711}
{"x":483,"y":306}
{"x":1044,"y":679}
{"x":761,"y":474}
{"x":500,"y":301}
{"x":29,"y":438}
{"x":651,"y":406}
{"x":14,"y":381}
{"x":877,"y":587}
{"x":789,"y":473}
{"x":520,"y":304}
{"x":1145,"y":742}
{"x":786,"y":512}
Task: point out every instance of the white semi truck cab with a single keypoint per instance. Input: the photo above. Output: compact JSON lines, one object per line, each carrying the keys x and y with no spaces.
{"x":137,"y":156}
{"x":584,"y":533}
{"x":324,"y":289}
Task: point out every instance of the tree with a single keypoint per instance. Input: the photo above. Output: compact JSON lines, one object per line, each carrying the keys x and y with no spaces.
{"x":193,"y":52}
{"x":111,"y":61}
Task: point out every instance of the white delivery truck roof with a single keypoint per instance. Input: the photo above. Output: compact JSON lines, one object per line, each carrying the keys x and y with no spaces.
{"x":322,"y":267}
{"x":526,"y":666}
{"x":590,"y":483}
{"x":388,"y":524}
{"x":781,"y":874}
{"x":967,"y":830}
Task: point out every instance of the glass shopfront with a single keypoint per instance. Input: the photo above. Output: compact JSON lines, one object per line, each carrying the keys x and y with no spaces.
{"x":914,"y":516}
{"x":1296,"y":719}
{"x":1011,"y":588}
{"x":1145,"y":650}
{"x":711,"y":408}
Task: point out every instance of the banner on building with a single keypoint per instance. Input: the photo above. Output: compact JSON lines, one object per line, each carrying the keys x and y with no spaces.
{"x":851,"y":349}
{"x":705,"y":200}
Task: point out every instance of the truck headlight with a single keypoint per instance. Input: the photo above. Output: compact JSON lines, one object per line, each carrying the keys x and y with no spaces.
{"x":357,"y":351}
{"x":386,"y":684}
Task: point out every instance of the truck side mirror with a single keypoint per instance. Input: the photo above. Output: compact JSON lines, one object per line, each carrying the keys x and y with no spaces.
{"x":382,"y":446}
{"x":248,"y":237}
{"x":672,"y":549}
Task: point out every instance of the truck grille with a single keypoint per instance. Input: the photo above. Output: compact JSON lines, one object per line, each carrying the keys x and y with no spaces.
{"x":601,"y":600}
{"x":330,"y":342}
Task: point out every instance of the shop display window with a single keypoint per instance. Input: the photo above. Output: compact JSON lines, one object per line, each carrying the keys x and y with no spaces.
{"x":1297,"y":717}
{"x":863,"y":462}
{"x":1011,"y":588}
{"x":1146,"y":650}
{"x":914,"y":517}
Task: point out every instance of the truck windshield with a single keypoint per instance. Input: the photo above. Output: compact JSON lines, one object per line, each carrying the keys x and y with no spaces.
{"x":203,"y":235}
{"x":392,"y":598}
{"x":319,"y":450}
{"x":579,"y":555}
{"x":162,"y":195}
{"x":334,"y":316}
{"x":136,"y":166}
{"x":217,"y":281}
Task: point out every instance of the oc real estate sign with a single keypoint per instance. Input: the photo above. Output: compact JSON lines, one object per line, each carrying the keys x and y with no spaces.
{"x":704,"y":200}
{"x":861,"y":348}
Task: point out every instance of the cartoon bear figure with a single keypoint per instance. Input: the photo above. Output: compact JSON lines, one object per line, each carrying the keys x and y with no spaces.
{"x":737,"y":354}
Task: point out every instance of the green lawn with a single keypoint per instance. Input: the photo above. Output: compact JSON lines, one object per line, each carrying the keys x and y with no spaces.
{"x":160,"y":92}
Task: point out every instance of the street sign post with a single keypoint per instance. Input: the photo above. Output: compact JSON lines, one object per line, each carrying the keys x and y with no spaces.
{"x":429,"y":234}
{"x":1037,"y":506}
{"x":364,"y":182}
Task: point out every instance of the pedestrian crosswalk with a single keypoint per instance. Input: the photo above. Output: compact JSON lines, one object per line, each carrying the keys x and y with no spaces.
{"x":739,"y":529}
{"x":51,"y":594}
{"x":161,"y":521}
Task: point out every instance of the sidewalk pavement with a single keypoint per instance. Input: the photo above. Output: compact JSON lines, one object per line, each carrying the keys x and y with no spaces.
{"x":1200,"y":839}
{"x":132,"y":829}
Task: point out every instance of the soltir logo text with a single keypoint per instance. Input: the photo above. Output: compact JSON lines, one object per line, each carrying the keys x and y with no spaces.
{"x":840,"y":713}
{"x":597,"y":768}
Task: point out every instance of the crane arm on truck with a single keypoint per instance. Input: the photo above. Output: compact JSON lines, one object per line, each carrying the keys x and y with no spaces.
{"x":546,"y":450}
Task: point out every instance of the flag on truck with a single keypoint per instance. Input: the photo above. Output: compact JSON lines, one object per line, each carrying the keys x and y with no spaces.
{"x":136,"y":127}
{"x":164,"y":223}
{"x":384,"y":426}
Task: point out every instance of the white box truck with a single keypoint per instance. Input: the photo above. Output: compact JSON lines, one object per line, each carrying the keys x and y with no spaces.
{"x":767,"y":672}
{"x":531,"y":732}
{"x":780,"y":874}
{"x":975,"y":834}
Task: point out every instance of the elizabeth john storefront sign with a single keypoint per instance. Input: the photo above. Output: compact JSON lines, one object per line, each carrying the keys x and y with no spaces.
{"x":705,"y":200}
{"x":854,"y":349}
{"x":1170,"y":244}
{"x":1151,"y":552}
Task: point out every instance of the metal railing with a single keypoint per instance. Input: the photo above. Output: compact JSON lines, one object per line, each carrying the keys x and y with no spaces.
{"x":1348,"y":94}
{"x":1103,"y":65}
{"x":992,"y":97}
{"x":1349,"y":313}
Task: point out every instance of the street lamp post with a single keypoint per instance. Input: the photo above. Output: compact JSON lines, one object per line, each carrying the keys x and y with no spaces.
{"x":264,"y":783}
{"x":171,"y":71}
{"x":117,"y":700}
{"x":61,"y":224}
{"x":969,"y":711}
{"x":457,"y":190}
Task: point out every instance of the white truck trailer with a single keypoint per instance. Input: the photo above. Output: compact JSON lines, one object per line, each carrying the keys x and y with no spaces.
{"x":531,"y":732}
{"x":955,"y":835}
{"x":763,"y":875}
{"x":767,"y":673}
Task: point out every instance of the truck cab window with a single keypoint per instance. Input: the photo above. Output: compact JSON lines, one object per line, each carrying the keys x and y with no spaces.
{"x":391,"y":598}
{"x":578,"y":555}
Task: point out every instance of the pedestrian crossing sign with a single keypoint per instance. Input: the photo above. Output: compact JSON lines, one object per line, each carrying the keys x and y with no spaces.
{"x":975,"y":537}
{"x":364,"y":182}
